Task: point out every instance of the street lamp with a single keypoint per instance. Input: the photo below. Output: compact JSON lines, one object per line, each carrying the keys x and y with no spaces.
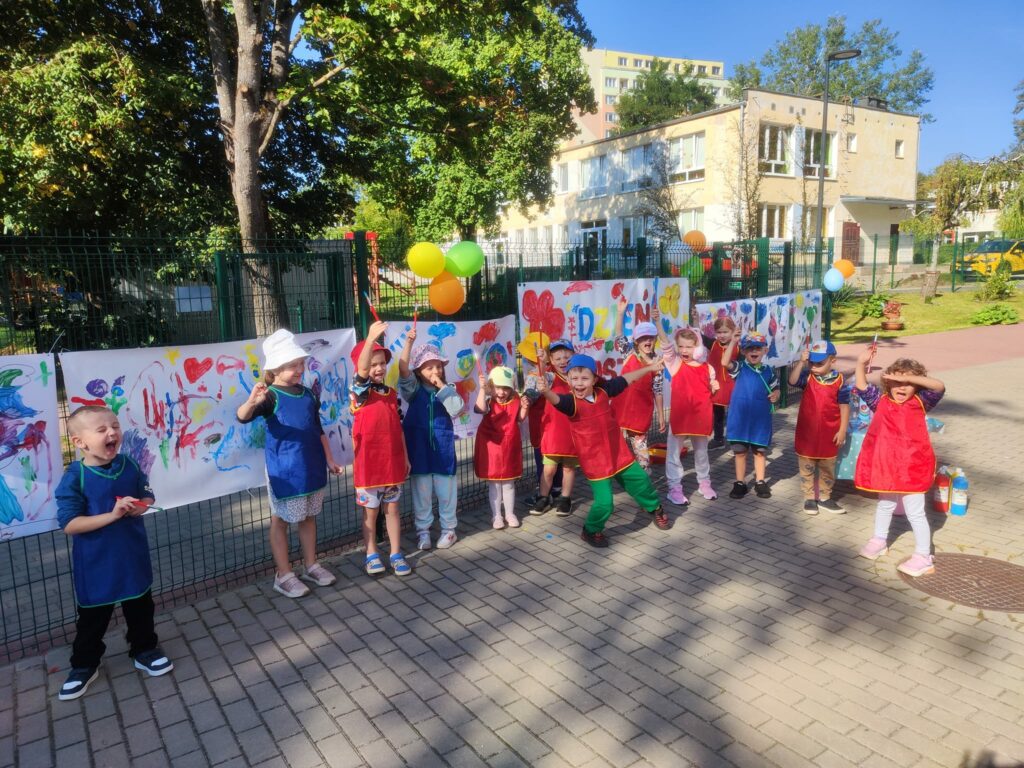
{"x":844,"y":55}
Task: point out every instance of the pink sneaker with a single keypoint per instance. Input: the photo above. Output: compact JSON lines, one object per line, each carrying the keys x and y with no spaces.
{"x":917,"y":565}
{"x":511,"y":519}
{"x":705,"y":489}
{"x":497,"y":523}
{"x":676,"y":496}
{"x":874,"y":549}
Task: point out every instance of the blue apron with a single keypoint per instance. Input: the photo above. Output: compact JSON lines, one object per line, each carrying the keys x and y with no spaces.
{"x":296,"y":464}
{"x":750,"y":413}
{"x":429,"y":435}
{"x":112,"y":563}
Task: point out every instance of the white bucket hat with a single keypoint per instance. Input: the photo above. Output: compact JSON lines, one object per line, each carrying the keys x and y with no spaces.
{"x":280,"y":348}
{"x":501,"y":376}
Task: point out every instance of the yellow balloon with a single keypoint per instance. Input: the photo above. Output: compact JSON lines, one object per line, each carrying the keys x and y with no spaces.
{"x":846,"y":267}
{"x":447,"y":294}
{"x":425,"y":260}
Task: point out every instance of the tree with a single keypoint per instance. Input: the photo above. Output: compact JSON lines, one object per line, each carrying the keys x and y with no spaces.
{"x":659,"y":202}
{"x":796,"y":65}
{"x":1018,"y":108}
{"x":741,"y":170}
{"x":659,"y":96}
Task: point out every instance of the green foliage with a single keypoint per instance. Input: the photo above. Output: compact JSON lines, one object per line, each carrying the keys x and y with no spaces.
{"x":998,"y":285}
{"x":1018,"y":108}
{"x":874,"y":304}
{"x":660,"y":96}
{"x":1011,"y":218}
{"x":795,"y":64}
{"x":997,"y":314}
{"x":392,"y":225}
{"x":845,"y":296}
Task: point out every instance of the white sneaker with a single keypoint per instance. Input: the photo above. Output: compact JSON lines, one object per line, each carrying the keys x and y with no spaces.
{"x":447,"y":539}
{"x":290,"y":586}
{"x":423,"y":542}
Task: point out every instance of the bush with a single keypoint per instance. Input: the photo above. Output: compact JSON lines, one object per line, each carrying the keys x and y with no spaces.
{"x":845,"y":296}
{"x":997,"y":314}
{"x":872,"y":306}
{"x":998,"y":286}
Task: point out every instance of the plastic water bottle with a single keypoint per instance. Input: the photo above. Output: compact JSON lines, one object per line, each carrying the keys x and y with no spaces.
{"x":958,"y":494}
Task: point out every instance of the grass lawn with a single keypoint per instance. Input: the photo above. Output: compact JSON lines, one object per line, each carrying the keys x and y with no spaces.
{"x":947,"y":312}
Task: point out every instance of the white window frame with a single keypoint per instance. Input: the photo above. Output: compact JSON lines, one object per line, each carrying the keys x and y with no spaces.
{"x":593,"y":177}
{"x":562,"y":178}
{"x":610,"y":82}
{"x":611,"y":117}
{"x":901,"y":149}
{"x":702,"y":69}
{"x":810,"y":222}
{"x":611,"y":99}
{"x":636,"y":163}
{"x":774,"y":150}
{"x":716,"y":70}
{"x":686,"y":160}
{"x":623,"y":61}
{"x":638,"y":63}
{"x":851,"y":143}
{"x":772,"y":219}
{"x":812,"y":139}
{"x":689,"y":219}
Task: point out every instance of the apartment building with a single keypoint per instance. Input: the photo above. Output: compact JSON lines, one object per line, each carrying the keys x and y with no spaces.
{"x":612,"y":73}
{"x":870,"y":157}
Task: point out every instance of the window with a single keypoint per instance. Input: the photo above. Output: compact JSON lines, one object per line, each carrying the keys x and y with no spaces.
{"x":608,"y":133}
{"x":632,"y":228}
{"x":610,"y":99}
{"x":193,"y":298}
{"x":609,"y":82}
{"x":773,"y":149}
{"x":562,"y":177}
{"x":686,"y":157}
{"x":623,"y":84}
{"x":813,"y":155}
{"x":623,"y":61}
{"x":716,"y":91}
{"x":638,"y":63}
{"x":531,"y":236}
{"x":811,"y":222}
{"x":690,"y":219}
{"x":647,"y":64}
{"x":702,"y":69}
{"x":771,"y":221}
{"x":594,"y":177}
{"x":636,"y":167}
{"x":675,"y":68}
{"x":716,"y":70}
{"x":899,"y":148}
{"x":610,"y":117}
{"x":851,"y":142}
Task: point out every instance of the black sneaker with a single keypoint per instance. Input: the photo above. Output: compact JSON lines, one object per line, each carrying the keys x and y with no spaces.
{"x":541,"y":505}
{"x":598,"y":539}
{"x":153,"y":662}
{"x":762,"y":490}
{"x":811,"y":507}
{"x":563,"y":506}
{"x":830,"y":506}
{"x":77,"y":683}
{"x":739,"y":490}
{"x":717,"y":442}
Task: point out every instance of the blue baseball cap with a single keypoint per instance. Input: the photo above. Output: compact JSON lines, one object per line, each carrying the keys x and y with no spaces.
{"x":582,"y":361}
{"x":643,"y":330}
{"x":560,"y":344}
{"x":821,"y":350}
{"x":752,"y":340}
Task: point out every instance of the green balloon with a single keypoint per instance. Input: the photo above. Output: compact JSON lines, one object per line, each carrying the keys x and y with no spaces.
{"x":693,"y":269}
{"x":464,"y":259}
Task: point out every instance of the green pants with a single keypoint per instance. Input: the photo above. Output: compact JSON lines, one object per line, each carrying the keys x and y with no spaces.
{"x":636,"y":483}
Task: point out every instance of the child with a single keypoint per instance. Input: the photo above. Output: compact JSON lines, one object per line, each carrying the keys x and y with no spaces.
{"x":820,"y":425}
{"x":380,"y":465}
{"x":691,"y":388}
{"x":592,"y":420}
{"x":100,"y":501}
{"x":749,"y":423}
{"x":897,"y":461}
{"x":535,"y":419}
{"x":642,"y":398}
{"x":498,"y":453}
{"x":718,"y":360}
{"x":430,"y":438}
{"x":556,"y":442}
{"x":298,"y":458}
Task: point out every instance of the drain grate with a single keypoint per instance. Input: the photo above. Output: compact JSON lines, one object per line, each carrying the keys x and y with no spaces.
{"x":974,"y":581}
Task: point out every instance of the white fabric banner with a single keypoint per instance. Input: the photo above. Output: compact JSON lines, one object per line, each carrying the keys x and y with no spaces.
{"x":462,"y":343}
{"x":30,"y":448}
{"x":177,"y":408}
{"x":585,"y":312}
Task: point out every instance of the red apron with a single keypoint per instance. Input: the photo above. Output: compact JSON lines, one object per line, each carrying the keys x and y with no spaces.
{"x":725,"y":381}
{"x":556,"y":438}
{"x":690,"y":411}
{"x":897,"y":455}
{"x":377,"y":442}
{"x":498,"y":452}
{"x":818,"y":419}
{"x":634,"y":408}
{"x":594,"y":426}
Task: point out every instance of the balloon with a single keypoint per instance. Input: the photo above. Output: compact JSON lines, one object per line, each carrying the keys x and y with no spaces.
{"x":846,"y":267}
{"x":464,"y":259}
{"x":693,"y":269}
{"x":833,"y":280}
{"x":425,"y":260}
{"x":446,"y":294}
{"x":695,"y":239}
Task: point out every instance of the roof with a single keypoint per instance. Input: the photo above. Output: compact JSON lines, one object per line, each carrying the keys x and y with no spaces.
{"x":877,"y":200}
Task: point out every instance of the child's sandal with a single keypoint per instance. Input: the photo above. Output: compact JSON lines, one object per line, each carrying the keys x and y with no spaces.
{"x":399,"y":565}
{"x":374,"y":565}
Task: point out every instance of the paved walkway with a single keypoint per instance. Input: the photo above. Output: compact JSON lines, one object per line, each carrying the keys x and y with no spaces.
{"x":748,"y":635}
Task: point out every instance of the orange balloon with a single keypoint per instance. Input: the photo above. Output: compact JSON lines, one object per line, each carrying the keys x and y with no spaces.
{"x":446,"y":293}
{"x":846,"y":267}
{"x":695,"y":239}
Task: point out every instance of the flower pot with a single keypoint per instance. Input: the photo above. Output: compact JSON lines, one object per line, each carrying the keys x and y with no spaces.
{"x":892,"y":325}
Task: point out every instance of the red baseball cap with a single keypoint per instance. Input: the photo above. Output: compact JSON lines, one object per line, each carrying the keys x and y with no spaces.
{"x":376,"y":348}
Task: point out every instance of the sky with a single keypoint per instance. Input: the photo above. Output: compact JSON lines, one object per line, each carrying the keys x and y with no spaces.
{"x":974,"y":49}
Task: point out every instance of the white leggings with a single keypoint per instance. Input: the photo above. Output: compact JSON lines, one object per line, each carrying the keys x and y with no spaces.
{"x":674,"y":462}
{"x":913,"y":506}
{"x":501,"y":491}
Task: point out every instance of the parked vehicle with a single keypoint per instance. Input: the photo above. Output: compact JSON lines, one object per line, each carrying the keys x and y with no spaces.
{"x":986,"y":258}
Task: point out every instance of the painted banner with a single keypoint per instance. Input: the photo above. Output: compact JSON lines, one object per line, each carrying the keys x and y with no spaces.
{"x":789,"y":322}
{"x":30,"y":448}
{"x":463,"y":343}
{"x":586,"y":312}
{"x":177,"y":408}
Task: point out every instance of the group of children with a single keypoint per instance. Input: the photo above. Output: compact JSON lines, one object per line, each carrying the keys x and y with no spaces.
{"x":718,"y":388}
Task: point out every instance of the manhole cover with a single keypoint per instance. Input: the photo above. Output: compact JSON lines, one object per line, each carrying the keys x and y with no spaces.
{"x":977,"y":582}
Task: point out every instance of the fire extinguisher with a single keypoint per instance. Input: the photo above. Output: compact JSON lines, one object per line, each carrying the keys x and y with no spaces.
{"x":940,"y":497}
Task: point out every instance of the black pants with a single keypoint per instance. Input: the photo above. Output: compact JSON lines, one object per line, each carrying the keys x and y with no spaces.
{"x":92,"y":624}
{"x":720,"y":412}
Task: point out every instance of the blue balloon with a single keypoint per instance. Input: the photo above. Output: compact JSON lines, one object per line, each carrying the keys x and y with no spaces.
{"x":833,"y":280}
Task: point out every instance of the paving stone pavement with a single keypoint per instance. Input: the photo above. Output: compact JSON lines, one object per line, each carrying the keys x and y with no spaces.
{"x":747,"y":635}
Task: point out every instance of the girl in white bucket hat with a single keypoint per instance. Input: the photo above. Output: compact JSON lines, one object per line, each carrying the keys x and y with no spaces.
{"x":498,"y":450}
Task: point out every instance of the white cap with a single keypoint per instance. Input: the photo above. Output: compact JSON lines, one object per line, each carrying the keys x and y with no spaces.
{"x":280,"y":348}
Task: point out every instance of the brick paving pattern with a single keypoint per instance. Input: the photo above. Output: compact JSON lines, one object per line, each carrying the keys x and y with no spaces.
{"x":747,"y":635}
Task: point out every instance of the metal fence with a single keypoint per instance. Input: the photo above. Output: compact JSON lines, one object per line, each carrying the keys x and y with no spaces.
{"x":82,"y":291}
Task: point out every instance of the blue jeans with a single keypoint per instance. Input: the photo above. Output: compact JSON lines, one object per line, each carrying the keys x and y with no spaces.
{"x":423,"y":489}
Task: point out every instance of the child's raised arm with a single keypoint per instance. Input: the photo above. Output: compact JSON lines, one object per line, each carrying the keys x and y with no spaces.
{"x":403,"y":359}
{"x":922,"y":382}
{"x":480,"y":406}
{"x":656,"y":319}
{"x":620,"y":318}
{"x":863,"y":363}
{"x":639,"y":373}
{"x":796,"y":370}
{"x":377,"y":329}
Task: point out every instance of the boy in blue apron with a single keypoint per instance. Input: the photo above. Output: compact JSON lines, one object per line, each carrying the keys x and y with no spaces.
{"x":100,"y":503}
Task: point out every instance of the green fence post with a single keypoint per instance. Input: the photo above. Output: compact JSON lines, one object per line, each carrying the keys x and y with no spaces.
{"x":952,"y":266}
{"x":874,"y":263}
{"x":641,"y":255}
{"x":223,"y":296}
{"x":362,"y":261}
{"x":827,"y":301}
{"x":300,"y":313}
{"x":787,"y":266}
{"x":763,"y":267}
{"x":239,"y":293}
{"x":335,"y":278}
{"x":661,"y":259}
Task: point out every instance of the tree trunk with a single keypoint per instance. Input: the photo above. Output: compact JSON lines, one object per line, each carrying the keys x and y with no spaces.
{"x":931,"y":277}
